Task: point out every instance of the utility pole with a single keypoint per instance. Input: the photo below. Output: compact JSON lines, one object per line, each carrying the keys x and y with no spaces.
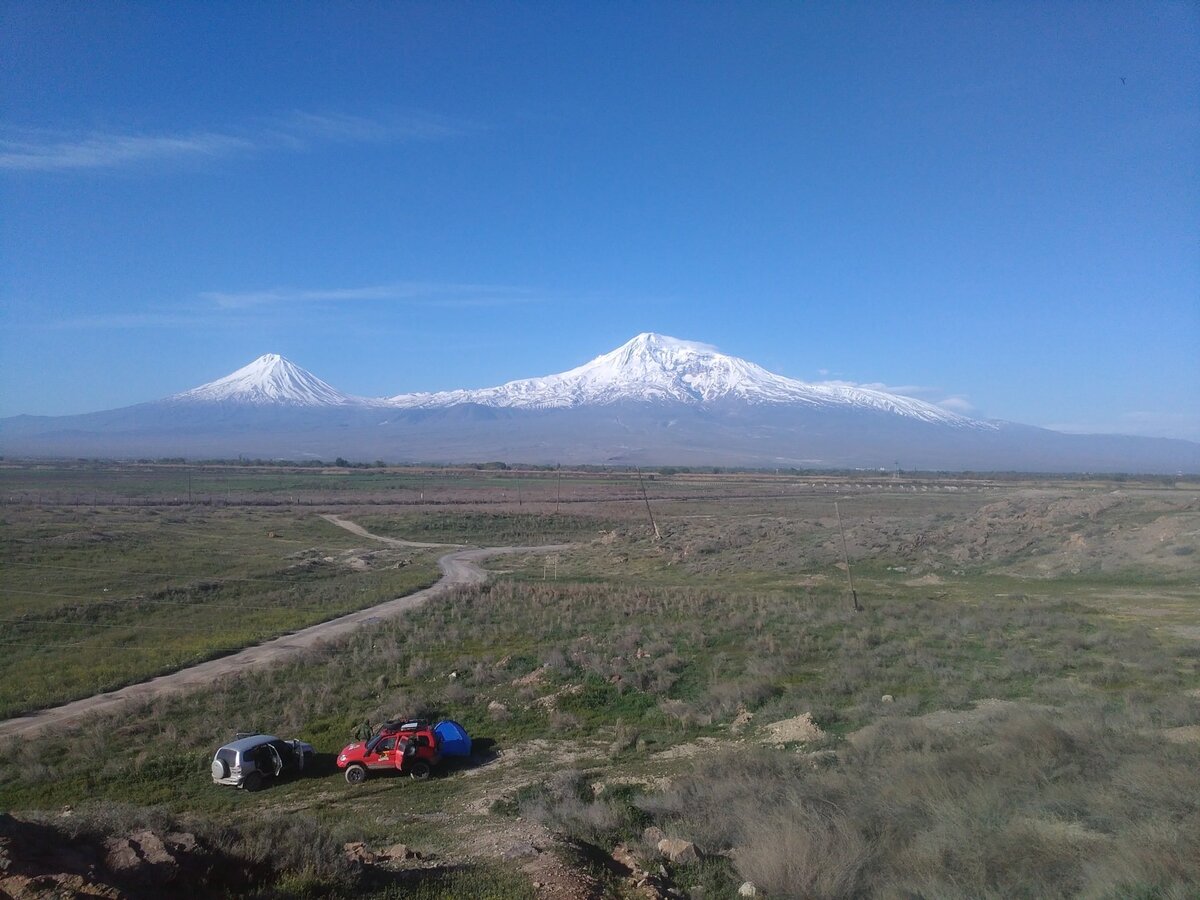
{"x":846,"y":557}
{"x":642,"y":485}
{"x":558,"y":495}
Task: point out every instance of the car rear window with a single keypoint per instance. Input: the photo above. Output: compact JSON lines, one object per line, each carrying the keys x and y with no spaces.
{"x":228,"y":755}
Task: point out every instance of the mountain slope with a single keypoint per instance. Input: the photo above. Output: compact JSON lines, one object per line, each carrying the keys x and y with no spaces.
{"x":653,"y":368}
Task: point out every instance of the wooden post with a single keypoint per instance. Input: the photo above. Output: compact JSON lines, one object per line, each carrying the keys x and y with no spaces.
{"x":642,"y":485}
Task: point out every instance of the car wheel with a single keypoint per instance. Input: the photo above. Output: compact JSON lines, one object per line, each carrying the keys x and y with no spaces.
{"x":220,"y":769}
{"x":355,"y":774}
{"x":253,"y":782}
{"x":419,"y":770}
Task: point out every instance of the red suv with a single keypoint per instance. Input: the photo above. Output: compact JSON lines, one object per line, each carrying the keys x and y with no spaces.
{"x":413,"y":748}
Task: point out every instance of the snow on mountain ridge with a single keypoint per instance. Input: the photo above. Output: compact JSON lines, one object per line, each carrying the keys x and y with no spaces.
{"x":268,"y":381}
{"x":653,"y":367}
{"x":650,"y":368}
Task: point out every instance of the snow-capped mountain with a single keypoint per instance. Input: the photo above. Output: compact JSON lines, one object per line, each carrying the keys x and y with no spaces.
{"x":653,"y":401}
{"x":271,"y":380}
{"x":655,"y":368}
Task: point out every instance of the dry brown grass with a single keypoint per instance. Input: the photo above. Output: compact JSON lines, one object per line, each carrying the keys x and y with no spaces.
{"x":1074,"y":804}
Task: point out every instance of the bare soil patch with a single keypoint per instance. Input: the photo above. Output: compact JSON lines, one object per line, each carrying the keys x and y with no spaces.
{"x":798,"y":729}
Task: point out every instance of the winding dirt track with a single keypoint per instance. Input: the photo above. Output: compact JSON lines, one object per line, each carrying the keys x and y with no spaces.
{"x":458,"y":568}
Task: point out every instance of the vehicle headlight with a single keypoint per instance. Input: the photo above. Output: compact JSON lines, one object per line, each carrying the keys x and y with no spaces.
{"x":342,"y":758}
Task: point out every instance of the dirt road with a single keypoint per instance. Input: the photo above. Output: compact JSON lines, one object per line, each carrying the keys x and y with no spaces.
{"x":458,"y":568}
{"x":357,"y":529}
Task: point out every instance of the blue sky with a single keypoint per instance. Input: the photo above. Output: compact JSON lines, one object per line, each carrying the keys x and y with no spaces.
{"x":995,"y":206}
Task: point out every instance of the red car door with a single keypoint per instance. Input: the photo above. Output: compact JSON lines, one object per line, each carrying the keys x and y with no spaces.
{"x":383,"y":755}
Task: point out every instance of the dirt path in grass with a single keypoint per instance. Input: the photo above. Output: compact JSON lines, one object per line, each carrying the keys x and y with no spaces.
{"x":459,"y":568}
{"x":355,"y":528}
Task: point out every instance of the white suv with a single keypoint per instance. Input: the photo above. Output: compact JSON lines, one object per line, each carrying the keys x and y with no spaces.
{"x":250,"y":760}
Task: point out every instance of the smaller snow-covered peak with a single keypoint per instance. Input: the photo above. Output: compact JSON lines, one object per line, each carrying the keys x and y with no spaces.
{"x":268,"y":381}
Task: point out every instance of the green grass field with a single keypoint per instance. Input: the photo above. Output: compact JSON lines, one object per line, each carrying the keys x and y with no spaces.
{"x":1038,"y":644}
{"x":95,"y":598}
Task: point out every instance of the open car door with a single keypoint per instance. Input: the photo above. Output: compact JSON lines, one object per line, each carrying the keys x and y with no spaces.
{"x":382,"y":753}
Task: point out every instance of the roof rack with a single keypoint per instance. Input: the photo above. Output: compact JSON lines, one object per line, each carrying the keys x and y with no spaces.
{"x":403,"y":725}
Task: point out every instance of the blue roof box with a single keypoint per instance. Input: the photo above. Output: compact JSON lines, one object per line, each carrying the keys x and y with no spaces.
{"x":453,"y":739}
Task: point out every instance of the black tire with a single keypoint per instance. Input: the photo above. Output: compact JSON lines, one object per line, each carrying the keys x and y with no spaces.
{"x":253,"y":781}
{"x":418,"y":770}
{"x":355,"y":774}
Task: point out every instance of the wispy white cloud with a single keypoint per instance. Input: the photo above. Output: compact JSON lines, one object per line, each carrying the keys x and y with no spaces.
{"x":905,"y":390}
{"x":337,"y":128}
{"x":957,"y":403}
{"x":45,"y":153}
{"x":130,"y":320}
{"x":43,"y":150}
{"x":416,"y":293}
{"x":222,"y":310}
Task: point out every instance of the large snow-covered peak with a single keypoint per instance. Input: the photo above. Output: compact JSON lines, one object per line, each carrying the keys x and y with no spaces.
{"x":271,"y":380}
{"x":655,"y":366}
{"x":660,"y":369}
{"x":649,"y":348}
